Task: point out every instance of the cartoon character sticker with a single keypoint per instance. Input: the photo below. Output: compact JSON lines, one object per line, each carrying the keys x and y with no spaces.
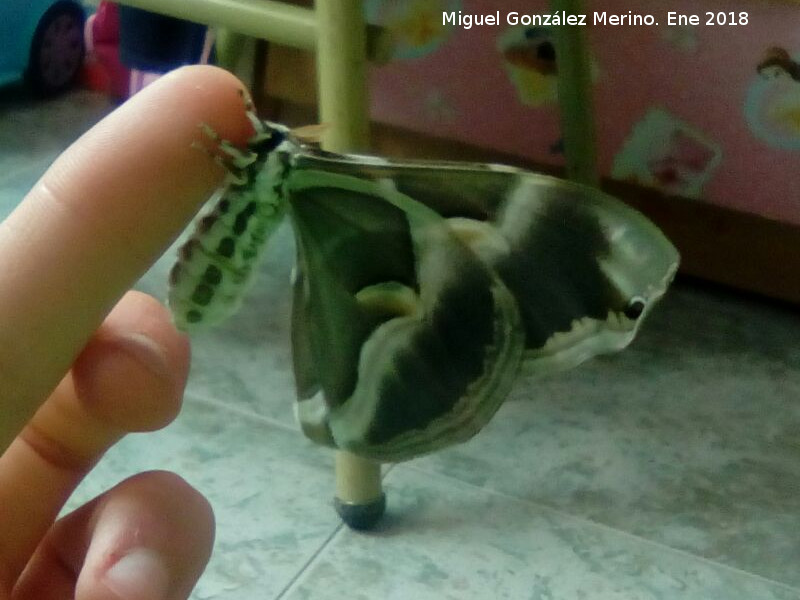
{"x":668,"y":154}
{"x":529,"y":57}
{"x":777,"y":63}
{"x":415,"y":26}
{"x":772,"y":108}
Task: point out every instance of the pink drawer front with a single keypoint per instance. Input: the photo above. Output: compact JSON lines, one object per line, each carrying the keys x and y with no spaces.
{"x":710,"y":112}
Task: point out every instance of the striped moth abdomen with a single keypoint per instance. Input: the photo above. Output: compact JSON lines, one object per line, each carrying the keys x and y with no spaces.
{"x":216,"y":263}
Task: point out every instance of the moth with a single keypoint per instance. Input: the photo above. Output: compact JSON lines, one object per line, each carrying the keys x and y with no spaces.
{"x":422,"y":290}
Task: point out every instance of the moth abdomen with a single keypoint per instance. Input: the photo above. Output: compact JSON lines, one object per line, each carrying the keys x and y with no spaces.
{"x":216,"y":263}
{"x":203,"y":289}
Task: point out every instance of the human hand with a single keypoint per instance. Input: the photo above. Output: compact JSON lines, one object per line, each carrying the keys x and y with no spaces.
{"x":82,"y":362}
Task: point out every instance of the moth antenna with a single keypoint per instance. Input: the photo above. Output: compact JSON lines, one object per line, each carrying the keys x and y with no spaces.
{"x":209,"y":132}
{"x":239,"y":159}
{"x":310,"y":134}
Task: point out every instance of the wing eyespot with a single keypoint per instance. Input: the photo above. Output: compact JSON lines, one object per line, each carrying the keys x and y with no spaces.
{"x":635,"y":308}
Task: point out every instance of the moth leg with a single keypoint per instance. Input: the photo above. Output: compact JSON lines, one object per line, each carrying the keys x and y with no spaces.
{"x":226,"y":155}
{"x":233,"y":175}
{"x":237,"y":157}
{"x":210,"y":133}
{"x":241,"y":160}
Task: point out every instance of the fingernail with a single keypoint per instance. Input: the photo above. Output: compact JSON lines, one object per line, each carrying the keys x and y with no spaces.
{"x":139,"y":575}
{"x":147,"y":352}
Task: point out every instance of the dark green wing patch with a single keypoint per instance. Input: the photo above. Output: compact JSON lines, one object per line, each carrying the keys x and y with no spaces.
{"x":414,"y":341}
{"x":348,"y":242}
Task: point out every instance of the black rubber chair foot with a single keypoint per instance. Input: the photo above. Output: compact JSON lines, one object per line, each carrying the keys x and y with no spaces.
{"x":361,"y":517}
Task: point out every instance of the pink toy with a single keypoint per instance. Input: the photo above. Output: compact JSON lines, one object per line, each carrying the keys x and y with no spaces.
{"x":104,"y":71}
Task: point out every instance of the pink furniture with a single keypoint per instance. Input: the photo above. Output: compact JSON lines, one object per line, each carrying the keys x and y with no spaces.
{"x":708,"y":112}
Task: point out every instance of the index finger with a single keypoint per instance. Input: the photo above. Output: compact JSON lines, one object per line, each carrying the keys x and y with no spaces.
{"x":99,"y":217}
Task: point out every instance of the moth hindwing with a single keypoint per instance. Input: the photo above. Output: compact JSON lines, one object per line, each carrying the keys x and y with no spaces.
{"x":423,"y":289}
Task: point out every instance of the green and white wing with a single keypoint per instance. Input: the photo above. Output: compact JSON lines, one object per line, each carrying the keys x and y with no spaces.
{"x":404,"y":340}
{"x":584,"y":268}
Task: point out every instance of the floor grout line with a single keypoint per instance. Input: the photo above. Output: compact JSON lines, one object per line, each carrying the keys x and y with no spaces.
{"x":242,"y":412}
{"x":386,"y":467}
{"x":273,"y":422}
{"x":303,"y":569}
{"x":586,"y":521}
{"x":341,"y":527}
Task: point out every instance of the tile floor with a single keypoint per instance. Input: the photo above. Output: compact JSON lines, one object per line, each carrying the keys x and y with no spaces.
{"x":671,"y":470}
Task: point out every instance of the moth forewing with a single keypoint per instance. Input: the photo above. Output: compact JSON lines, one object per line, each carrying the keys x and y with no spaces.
{"x":585,"y":268}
